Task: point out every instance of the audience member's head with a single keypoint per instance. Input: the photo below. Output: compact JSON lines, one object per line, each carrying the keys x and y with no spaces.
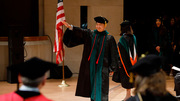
{"x":158,"y":21}
{"x":149,"y":77}
{"x":32,"y":72}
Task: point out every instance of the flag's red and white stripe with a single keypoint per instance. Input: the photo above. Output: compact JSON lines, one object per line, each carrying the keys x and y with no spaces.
{"x":58,"y":44}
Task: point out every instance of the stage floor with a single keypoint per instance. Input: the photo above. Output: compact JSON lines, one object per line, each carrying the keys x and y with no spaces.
{"x":52,"y":91}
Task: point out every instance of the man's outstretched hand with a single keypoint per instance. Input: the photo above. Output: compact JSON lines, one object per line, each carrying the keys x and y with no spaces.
{"x":66,"y":24}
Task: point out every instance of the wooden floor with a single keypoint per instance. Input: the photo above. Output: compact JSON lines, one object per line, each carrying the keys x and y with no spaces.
{"x":52,"y":91}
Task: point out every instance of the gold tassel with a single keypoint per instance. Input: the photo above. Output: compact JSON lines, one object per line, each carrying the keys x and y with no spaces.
{"x":105,"y":24}
{"x":131,"y":79}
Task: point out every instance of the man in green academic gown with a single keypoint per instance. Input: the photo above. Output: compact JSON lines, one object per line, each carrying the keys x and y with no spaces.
{"x":99,"y":57}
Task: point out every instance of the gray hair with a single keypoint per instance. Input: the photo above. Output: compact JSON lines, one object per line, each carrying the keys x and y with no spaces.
{"x":32,"y":83}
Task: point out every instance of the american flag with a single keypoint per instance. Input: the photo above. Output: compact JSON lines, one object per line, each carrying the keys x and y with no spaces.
{"x":58,"y":44}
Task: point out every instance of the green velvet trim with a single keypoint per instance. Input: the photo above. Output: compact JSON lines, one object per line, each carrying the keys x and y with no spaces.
{"x":96,"y":73}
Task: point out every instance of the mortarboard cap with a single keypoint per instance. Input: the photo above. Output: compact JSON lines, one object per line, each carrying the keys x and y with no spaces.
{"x":125,"y":22}
{"x":101,"y":19}
{"x":148,"y":65}
{"x":32,"y":68}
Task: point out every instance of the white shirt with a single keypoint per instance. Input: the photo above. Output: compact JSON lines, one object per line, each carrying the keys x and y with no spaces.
{"x":27,"y":88}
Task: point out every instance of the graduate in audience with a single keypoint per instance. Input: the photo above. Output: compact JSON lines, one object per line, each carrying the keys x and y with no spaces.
{"x":150,"y":80}
{"x":31,"y":74}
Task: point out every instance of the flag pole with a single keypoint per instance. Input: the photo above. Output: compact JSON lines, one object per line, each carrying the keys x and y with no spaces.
{"x":63,"y":83}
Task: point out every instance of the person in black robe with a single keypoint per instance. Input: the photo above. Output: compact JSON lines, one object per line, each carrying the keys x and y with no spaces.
{"x":99,"y":57}
{"x":150,"y":80}
{"x":31,"y":74}
{"x":161,"y":45}
{"x":174,"y":37}
{"x":128,"y":57}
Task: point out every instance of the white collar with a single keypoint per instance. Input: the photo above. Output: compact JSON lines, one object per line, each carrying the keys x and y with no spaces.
{"x":27,"y":88}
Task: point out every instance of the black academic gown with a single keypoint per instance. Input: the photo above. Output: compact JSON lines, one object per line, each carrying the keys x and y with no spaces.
{"x":122,"y":76}
{"x":79,"y":36}
{"x":160,"y":38}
